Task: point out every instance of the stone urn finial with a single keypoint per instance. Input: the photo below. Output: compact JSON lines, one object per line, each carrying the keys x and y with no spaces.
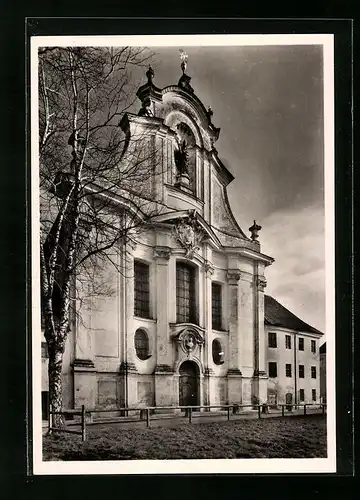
{"x":254,"y":230}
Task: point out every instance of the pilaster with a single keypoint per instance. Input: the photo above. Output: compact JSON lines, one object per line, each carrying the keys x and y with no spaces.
{"x":128,"y":286}
{"x":233,"y":278}
{"x":164,"y":382}
{"x":83,"y":366}
{"x":208,"y":272}
{"x":84,"y":355}
{"x":259,"y":389}
{"x":161,"y":255}
{"x":261,"y":284}
{"x":234,"y":375}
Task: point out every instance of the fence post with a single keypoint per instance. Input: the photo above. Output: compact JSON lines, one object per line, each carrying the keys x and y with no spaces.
{"x":282,"y":410}
{"x":259,"y":411}
{"x":190,"y":415}
{"x":147,"y":417}
{"x":304,"y":409}
{"x":83,"y":423}
{"x":228,"y":413}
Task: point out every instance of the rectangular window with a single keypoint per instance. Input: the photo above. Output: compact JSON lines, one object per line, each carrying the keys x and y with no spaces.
{"x":301,"y":344}
{"x":301,"y":371}
{"x":287,"y":342}
{"x":313,"y":372}
{"x":185,"y":294}
{"x":272,"y":339}
{"x":313,"y":346}
{"x":141,"y":290}
{"x":288,"y":370}
{"x":272,"y":369}
{"x":313,"y":394}
{"x":302,"y":395}
{"x":216,"y":306}
{"x":45,"y":405}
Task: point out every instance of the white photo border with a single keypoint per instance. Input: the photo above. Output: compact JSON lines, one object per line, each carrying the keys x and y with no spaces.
{"x":219,"y":466}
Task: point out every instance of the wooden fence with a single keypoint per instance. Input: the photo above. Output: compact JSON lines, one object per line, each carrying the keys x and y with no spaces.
{"x":145,"y":413}
{"x":81,"y":412}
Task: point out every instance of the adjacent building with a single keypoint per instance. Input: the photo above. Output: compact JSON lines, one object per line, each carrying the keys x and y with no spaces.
{"x":293,"y":356}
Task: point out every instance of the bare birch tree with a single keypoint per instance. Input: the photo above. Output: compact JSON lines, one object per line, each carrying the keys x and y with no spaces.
{"x":93,"y":195}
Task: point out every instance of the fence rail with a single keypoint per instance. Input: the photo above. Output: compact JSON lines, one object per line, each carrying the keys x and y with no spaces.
{"x":145,"y":413}
{"x":82,"y":413}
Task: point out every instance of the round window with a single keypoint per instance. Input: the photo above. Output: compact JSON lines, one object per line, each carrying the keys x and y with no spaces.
{"x":217,"y":352}
{"x":142,"y":344}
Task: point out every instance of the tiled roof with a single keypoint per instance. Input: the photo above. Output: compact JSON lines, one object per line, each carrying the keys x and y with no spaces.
{"x":278,"y":315}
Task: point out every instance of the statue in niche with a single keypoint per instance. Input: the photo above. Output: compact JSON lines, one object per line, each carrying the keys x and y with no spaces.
{"x":181,"y":159}
{"x":189,"y":342}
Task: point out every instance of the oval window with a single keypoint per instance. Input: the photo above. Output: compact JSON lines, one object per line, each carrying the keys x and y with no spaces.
{"x":217,"y":352}
{"x":142,"y":344}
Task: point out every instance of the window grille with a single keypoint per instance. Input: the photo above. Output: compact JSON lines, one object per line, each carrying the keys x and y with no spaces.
{"x":185,"y":294}
{"x":288,"y":370}
{"x":313,"y":372}
{"x":301,"y":344}
{"x":141,"y":290}
{"x":142,"y":344}
{"x":313,"y":346}
{"x":272,"y":339}
{"x":287,"y":342}
{"x":216,"y":306}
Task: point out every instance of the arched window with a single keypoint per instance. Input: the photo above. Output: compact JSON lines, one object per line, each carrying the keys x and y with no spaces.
{"x":217,"y":352}
{"x":142,"y":344}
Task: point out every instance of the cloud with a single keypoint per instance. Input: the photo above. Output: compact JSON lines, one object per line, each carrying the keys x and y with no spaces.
{"x":297,"y":278}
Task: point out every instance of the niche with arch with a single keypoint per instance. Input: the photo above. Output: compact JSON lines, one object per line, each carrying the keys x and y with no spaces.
{"x":184,"y":133}
{"x":217,"y":352}
{"x":142,"y":344}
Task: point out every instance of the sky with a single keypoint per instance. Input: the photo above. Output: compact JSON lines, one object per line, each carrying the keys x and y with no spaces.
{"x":268,"y":102}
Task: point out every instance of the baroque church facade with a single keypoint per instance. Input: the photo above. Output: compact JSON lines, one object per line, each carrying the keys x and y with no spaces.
{"x":189,"y":326}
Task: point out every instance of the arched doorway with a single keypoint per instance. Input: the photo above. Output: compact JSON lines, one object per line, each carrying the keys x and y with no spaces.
{"x":189,"y":384}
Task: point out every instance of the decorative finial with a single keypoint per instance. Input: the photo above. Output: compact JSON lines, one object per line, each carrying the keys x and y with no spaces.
{"x":184,"y":59}
{"x":254,"y":229}
{"x":150,"y":74}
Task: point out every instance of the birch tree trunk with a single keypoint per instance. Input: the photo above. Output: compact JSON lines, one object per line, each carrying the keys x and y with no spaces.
{"x":56,"y":352}
{"x":83,"y":92}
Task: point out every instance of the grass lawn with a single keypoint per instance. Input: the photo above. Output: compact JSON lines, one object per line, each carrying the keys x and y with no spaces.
{"x":295,"y":437}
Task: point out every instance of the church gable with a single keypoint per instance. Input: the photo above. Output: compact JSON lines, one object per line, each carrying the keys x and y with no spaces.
{"x":176,"y":109}
{"x":194,"y":178}
{"x":222,"y":219}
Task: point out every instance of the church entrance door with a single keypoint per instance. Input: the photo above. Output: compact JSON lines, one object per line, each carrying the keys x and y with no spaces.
{"x":189,"y":384}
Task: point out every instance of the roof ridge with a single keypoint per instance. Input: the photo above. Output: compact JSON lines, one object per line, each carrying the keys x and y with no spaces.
{"x":293,"y":321}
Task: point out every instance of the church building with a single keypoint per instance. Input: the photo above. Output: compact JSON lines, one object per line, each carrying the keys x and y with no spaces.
{"x":189,"y":323}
